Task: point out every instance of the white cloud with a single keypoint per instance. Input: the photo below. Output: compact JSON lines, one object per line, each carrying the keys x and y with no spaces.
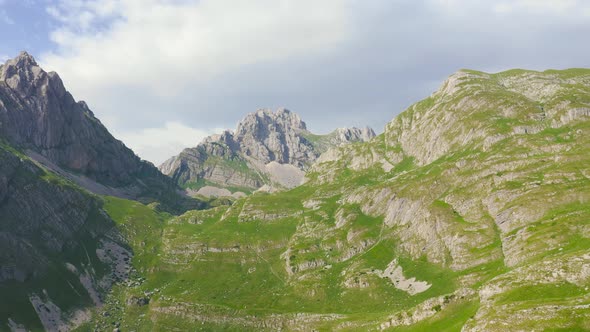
{"x":554,"y":7}
{"x":150,"y":41}
{"x":5,"y":18}
{"x":551,"y":7}
{"x":158,"y":144}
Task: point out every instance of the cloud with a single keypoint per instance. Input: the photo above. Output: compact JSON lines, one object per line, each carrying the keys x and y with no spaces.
{"x":553,"y":7}
{"x":157,"y":144}
{"x":150,"y":41}
{"x":4,"y":18}
{"x":569,"y":8}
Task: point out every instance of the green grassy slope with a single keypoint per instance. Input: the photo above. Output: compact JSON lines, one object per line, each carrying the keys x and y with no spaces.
{"x":469,"y":212}
{"x":46,"y":222}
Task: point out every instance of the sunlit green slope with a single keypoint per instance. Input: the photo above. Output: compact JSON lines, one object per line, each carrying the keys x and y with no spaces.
{"x":470,"y":212}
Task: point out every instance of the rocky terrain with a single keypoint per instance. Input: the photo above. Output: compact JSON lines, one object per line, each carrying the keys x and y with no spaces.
{"x":39,"y":116}
{"x":268,"y":149}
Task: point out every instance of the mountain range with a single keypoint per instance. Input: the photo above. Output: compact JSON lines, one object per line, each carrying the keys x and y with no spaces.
{"x":468,"y":213}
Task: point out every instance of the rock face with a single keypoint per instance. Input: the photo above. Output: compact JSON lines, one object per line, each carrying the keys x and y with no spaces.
{"x":38,"y":114}
{"x":267,"y":136}
{"x":241,"y":160}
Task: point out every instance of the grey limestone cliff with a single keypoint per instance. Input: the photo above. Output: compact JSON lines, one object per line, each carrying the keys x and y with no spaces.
{"x":268,"y":149}
{"x":38,"y":115}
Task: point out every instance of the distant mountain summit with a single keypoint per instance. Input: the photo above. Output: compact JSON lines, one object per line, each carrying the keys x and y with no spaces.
{"x":268,"y":149}
{"x":39,"y":116}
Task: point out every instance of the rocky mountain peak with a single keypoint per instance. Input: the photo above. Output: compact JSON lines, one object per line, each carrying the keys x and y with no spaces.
{"x":268,"y":148}
{"x":25,"y":77}
{"x":39,"y":116}
{"x":354,"y":134}
{"x":263,"y":121}
{"x":273,"y":136}
{"x":458,"y":81}
{"x":24,"y":60}
{"x":22,"y":64}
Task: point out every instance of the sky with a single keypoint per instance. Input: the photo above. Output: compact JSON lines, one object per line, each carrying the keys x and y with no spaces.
{"x":163,"y":74}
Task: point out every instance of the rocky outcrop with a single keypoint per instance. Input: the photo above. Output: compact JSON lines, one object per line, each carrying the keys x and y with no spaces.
{"x":253,"y":156}
{"x":37,"y":113}
{"x":353,"y":135}
{"x":266,"y":136}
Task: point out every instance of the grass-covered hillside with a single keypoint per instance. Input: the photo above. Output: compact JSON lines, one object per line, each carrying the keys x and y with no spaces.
{"x":469,"y":213}
{"x":60,"y":251}
{"x":54,"y":243}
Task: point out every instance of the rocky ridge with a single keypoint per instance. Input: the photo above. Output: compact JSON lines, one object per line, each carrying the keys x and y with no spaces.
{"x":38,"y":115}
{"x":268,"y":149}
